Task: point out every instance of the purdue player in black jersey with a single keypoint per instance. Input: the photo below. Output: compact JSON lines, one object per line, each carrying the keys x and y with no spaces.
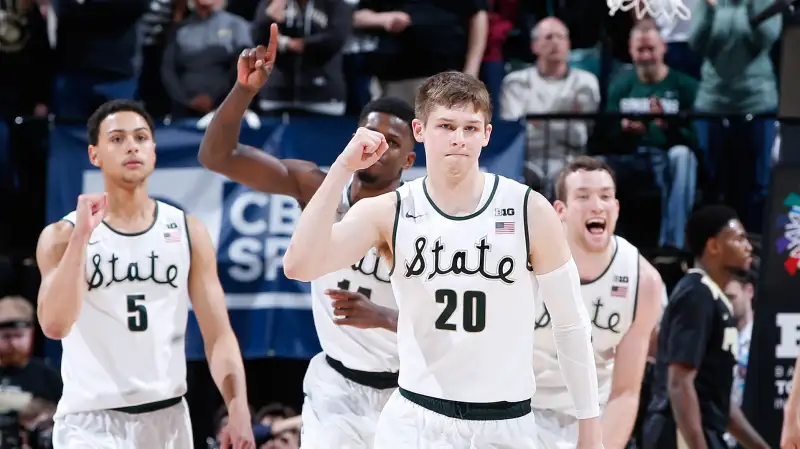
{"x":697,"y":344}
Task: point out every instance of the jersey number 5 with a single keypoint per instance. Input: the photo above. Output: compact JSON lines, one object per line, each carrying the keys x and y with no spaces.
{"x":474,"y":317}
{"x":137,"y":314}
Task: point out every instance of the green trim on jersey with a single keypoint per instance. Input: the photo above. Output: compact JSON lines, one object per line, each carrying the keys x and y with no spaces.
{"x":528,"y":263}
{"x":608,"y":267}
{"x":135,"y":234}
{"x":466,"y":217}
{"x":188,"y":235}
{"x":394,"y":231}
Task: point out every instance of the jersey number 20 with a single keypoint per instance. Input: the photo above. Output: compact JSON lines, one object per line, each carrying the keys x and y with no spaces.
{"x":474,"y":316}
{"x":137,"y":314}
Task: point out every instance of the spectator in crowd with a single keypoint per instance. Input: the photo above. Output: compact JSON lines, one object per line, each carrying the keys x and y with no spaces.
{"x":272,"y":412}
{"x":157,"y":25}
{"x":308,"y":74}
{"x":675,"y":32}
{"x":740,"y":291}
{"x":289,"y":439}
{"x":550,"y":87}
{"x":196,"y":69}
{"x":356,"y":76}
{"x":98,"y":53}
{"x":737,"y":78}
{"x":502,"y":19}
{"x":654,"y":87}
{"x":598,"y":41}
{"x":429,"y":37}
{"x":25,"y":57}
{"x":22,"y":374}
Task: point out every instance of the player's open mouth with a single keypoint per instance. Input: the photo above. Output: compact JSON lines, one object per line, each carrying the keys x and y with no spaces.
{"x":596,"y":226}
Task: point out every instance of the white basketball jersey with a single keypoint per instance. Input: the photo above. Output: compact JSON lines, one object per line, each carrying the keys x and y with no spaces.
{"x":373,"y":350}
{"x":465,"y":294}
{"x":127,"y":346}
{"x":611,"y":302}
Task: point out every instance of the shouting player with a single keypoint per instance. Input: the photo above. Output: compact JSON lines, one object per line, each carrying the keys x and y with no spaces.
{"x":117,"y":275}
{"x":623,"y":295}
{"x":464,"y":246}
{"x":346,"y":385}
{"x":697,"y":344}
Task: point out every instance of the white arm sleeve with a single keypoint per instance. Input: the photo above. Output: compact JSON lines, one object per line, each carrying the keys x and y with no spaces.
{"x":561,"y":292}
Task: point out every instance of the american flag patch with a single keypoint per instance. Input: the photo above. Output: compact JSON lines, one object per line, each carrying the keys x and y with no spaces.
{"x":504,"y":227}
{"x":172,"y":236}
{"x":619,"y":290}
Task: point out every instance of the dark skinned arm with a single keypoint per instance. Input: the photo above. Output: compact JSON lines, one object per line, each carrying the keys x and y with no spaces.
{"x":221,"y":152}
{"x":745,"y":434}
{"x":685,"y":406}
{"x":690,"y":315}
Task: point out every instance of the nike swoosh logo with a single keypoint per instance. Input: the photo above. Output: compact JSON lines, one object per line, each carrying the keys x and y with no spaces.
{"x":408,"y":215}
{"x":95,"y":242}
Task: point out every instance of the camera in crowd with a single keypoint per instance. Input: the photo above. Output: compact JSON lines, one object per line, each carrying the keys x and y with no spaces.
{"x":14,"y":436}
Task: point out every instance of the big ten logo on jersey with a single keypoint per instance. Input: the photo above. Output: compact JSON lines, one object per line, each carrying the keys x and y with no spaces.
{"x":255,"y":232}
{"x":504,"y":212}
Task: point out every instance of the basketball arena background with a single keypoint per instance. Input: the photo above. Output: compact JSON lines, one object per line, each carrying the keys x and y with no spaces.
{"x":271,"y":314}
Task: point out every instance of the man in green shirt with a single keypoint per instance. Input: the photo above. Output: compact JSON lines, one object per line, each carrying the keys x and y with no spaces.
{"x":666,"y":144}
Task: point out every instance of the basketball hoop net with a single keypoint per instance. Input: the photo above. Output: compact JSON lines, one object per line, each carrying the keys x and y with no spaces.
{"x":654,"y":8}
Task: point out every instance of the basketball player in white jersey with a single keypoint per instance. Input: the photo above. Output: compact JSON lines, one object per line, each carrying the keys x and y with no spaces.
{"x":623,"y":294}
{"x":464,"y":247}
{"x":117,"y":276}
{"x":346,"y":385}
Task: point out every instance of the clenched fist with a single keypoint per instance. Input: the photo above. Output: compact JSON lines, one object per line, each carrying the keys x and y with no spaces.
{"x":255,"y":64}
{"x":90,"y":212}
{"x":365,"y":148}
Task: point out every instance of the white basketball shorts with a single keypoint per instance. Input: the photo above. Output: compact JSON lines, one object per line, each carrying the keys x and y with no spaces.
{"x":557,"y":430}
{"x":168,"y":428}
{"x":406,"y":425}
{"x":338,"y":413}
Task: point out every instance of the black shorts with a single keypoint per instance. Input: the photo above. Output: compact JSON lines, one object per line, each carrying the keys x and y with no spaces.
{"x":661,"y":432}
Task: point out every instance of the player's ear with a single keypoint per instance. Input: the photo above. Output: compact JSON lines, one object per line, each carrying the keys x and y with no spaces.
{"x":418,"y":128}
{"x":561,"y":208}
{"x":410,"y":158}
{"x":712,"y":247}
{"x":487,"y":134}
{"x":93,"y":158}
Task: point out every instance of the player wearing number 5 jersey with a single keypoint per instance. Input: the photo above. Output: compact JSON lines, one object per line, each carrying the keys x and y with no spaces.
{"x":469,"y":251}
{"x":348,"y":383}
{"x":117,"y":276}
